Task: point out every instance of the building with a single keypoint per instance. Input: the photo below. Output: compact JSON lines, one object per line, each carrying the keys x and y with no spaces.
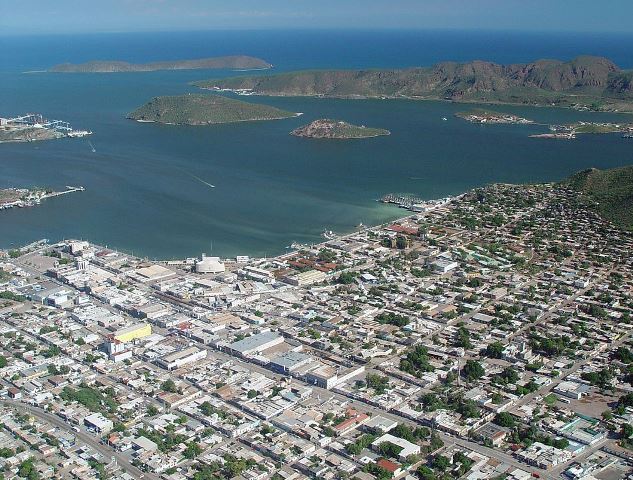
{"x":306,"y":278}
{"x":209,"y":265}
{"x":443,"y":265}
{"x":182,"y":357}
{"x":407,"y":447}
{"x":257,"y":274}
{"x":573,"y":390}
{"x":493,"y":433}
{"x":288,"y":362}
{"x":98,"y":422}
{"x":324,"y":376}
{"x":255,"y":343}
{"x":543,"y":456}
{"x":133,"y":332}
{"x":154,"y":273}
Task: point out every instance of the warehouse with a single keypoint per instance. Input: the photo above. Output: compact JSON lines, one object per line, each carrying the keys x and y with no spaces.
{"x":255,"y":343}
{"x":178,"y":359}
{"x":289,"y":362}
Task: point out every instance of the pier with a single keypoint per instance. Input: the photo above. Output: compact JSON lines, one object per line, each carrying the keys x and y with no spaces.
{"x":403,"y":201}
{"x":21,"y":198}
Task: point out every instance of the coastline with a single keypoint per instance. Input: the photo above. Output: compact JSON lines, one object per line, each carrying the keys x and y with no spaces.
{"x":250,"y":92}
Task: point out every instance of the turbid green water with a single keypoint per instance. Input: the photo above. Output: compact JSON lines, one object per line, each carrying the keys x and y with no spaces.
{"x":146,"y":184}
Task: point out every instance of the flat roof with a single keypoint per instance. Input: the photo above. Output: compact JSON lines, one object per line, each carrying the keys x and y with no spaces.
{"x":290,"y":359}
{"x":254,"y":341}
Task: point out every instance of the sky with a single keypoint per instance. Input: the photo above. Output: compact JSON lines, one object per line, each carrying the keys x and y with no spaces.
{"x":80,"y":16}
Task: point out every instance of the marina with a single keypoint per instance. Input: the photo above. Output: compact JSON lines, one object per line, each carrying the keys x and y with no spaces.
{"x":33,"y":126}
{"x":24,"y":197}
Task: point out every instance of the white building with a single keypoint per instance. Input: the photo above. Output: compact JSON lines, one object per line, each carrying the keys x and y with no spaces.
{"x":408,"y":448}
{"x":209,"y":265}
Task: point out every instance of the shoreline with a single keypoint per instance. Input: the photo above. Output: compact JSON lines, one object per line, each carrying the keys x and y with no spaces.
{"x":290,"y":251}
{"x":249,"y":92}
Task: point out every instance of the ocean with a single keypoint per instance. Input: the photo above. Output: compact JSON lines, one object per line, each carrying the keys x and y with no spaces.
{"x":144,"y":192}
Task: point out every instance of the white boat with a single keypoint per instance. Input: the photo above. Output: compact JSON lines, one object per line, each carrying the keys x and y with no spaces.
{"x":444,"y":118}
{"x":78,"y":133}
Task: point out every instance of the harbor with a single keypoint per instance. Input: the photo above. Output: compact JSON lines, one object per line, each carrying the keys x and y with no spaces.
{"x":33,"y":126}
{"x":24,"y":197}
{"x":412,"y":202}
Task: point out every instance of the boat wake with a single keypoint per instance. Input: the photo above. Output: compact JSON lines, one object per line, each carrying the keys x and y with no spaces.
{"x":199,"y":179}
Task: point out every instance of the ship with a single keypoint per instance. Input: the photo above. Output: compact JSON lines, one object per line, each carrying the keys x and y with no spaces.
{"x":78,"y":133}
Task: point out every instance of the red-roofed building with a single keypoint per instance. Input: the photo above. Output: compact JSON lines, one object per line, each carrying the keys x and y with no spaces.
{"x":391,"y":467}
{"x":353,"y":420}
{"x":402,"y":229}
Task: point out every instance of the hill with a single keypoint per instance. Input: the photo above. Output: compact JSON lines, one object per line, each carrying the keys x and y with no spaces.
{"x":588,"y":82}
{"x":204,"y":110}
{"x":238,"y":62}
{"x":611,"y":189}
{"x":327,"y":128}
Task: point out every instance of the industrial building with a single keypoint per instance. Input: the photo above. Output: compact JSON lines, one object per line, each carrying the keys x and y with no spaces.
{"x":182,"y":357}
{"x":289,"y":362}
{"x":255,"y":343}
{"x":306,"y":278}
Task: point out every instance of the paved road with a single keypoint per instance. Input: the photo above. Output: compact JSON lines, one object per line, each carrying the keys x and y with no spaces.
{"x":83,"y":437}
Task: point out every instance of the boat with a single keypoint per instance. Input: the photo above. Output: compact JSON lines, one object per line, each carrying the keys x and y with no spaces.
{"x":78,"y":133}
{"x":444,"y":118}
{"x":627,"y":135}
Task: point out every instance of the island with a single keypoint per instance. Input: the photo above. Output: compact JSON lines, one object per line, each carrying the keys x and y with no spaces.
{"x":491,"y":117}
{"x":327,"y":128}
{"x":236,"y":62}
{"x":584,"y":83}
{"x":570,"y":131}
{"x":202,"y":109}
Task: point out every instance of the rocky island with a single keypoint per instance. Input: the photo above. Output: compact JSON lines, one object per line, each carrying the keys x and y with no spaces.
{"x":327,"y":128}
{"x":236,"y":62}
{"x":584,"y":83}
{"x":204,"y":110}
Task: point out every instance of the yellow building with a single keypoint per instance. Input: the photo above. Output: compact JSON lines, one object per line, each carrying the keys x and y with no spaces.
{"x":127,"y":334}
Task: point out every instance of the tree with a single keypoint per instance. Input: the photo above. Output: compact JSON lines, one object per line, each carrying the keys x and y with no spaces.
{"x":169,"y":386}
{"x":441,"y":463}
{"x":416,"y":361}
{"x":346,"y":278}
{"x":504,"y":419}
{"x":252,"y":393}
{"x":192,"y":450}
{"x":152,"y":410}
{"x":3,"y":361}
{"x":473,"y":370}
{"x":494,"y":350}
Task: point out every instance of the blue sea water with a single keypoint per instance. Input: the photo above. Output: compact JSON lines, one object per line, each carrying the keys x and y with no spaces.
{"x":142,"y":194}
